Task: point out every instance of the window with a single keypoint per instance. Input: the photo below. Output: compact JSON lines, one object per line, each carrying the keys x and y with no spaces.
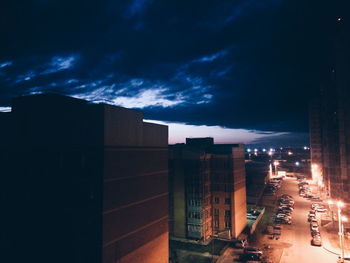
{"x":195,"y":215}
{"x":227,"y":223}
{"x":216,"y":200}
{"x":227,"y":201}
{"x":227,"y":213}
{"x":216,"y":223}
{"x":194,"y":228}
{"x":216,"y":212}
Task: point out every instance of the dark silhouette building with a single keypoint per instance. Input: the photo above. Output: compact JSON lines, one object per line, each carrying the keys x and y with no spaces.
{"x":207,"y":190}
{"x":330,"y":121}
{"x":82,"y":182}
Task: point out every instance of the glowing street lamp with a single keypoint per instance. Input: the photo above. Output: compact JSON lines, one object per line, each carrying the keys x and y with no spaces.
{"x":276,"y":163}
{"x":341,"y":229}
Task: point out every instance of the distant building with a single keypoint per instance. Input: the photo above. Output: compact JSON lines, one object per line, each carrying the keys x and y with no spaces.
{"x":207,"y":189}
{"x":83,"y":182}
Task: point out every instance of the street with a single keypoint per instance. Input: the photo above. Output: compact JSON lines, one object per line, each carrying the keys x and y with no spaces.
{"x":297,"y":237}
{"x":294,"y":244}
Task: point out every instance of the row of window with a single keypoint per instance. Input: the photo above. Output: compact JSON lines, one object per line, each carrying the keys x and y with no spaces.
{"x":227,"y":212}
{"x":217,"y":200}
{"x":199,"y":215}
{"x":197,"y":228}
{"x":216,"y":223}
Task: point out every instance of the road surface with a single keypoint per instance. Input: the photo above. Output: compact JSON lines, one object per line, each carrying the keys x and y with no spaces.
{"x":297,"y":237}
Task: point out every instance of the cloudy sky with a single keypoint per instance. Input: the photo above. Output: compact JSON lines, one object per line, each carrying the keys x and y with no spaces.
{"x":239,"y":71}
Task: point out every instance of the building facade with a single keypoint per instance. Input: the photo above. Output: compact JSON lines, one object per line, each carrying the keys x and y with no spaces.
{"x":331,"y":138}
{"x":91,"y":182}
{"x":207,"y":190}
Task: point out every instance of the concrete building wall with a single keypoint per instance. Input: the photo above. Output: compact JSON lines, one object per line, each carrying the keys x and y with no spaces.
{"x":135,"y":212}
{"x":123,"y":127}
{"x":92,"y":190}
{"x":155,"y":135}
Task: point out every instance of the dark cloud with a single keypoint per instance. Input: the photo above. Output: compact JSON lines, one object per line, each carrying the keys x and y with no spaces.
{"x":238,"y":64}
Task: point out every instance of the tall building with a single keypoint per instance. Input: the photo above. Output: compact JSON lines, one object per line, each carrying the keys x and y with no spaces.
{"x":83,"y":183}
{"x":315,"y":131}
{"x":331,"y":138}
{"x":207,"y":190}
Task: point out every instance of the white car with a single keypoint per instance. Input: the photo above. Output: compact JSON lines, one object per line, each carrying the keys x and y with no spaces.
{"x":314,"y":226}
{"x":321,"y":209}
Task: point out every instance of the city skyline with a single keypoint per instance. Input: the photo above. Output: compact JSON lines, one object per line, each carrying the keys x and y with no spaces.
{"x":239,"y":72}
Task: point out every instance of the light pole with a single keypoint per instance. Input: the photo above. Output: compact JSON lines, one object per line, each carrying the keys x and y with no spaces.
{"x":275,"y":163}
{"x":341,"y":229}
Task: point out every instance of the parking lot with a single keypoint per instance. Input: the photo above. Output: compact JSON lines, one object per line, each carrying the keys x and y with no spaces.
{"x":289,"y":241}
{"x":296,"y":238}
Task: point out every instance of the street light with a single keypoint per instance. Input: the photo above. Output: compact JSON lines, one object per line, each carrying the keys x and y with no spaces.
{"x":276,"y":163}
{"x":341,"y":229}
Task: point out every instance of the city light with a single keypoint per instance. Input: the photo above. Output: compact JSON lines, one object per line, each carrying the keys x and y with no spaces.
{"x":340,"y":204}
{"x":297,"y":163}
{"x":276,"y":163}
{"x":249,"y":150}
{"x":270,"y":153}
{"x":290,"y":153}
{"x":344,"y":219}
{"x":330,"y":202}
{"x":264,"y":150}
{"x":255,"y":150}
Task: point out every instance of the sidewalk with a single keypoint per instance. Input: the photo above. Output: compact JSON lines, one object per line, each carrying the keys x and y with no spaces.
{"x":330,"y":240}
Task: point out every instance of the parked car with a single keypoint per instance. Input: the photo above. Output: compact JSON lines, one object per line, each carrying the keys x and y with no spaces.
{"x":285,"y":207}
{"x":314,"y":226}
{"x":283,"y":211}
{"x":316,"y":205}
{"x":283,"y":221}
{"x":252,"y":250}
{"x":312,"y":212}
{"x":316,"y":241}
{"x":321,"y":209}
{"x":312,"y":219}
{"x":316,"y":199}
{"x":315,"y":233}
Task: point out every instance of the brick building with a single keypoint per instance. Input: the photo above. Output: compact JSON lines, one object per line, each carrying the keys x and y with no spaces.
{"x":207,"y":189}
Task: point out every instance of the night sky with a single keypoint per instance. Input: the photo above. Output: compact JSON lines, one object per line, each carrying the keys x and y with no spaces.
{"x":239,"y":71}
